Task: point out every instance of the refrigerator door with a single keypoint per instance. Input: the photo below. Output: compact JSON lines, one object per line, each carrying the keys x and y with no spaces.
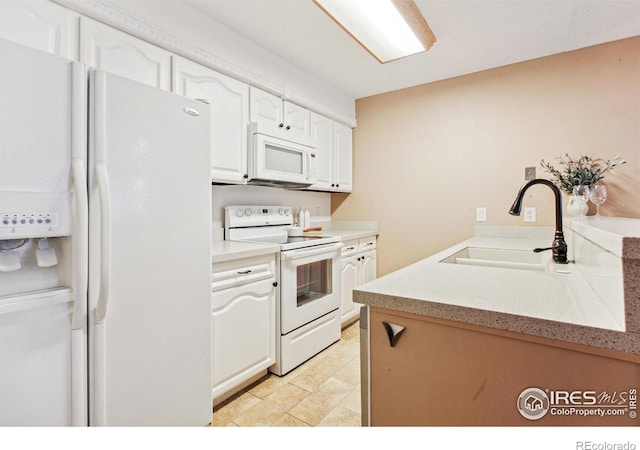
{"x":150,"y":260}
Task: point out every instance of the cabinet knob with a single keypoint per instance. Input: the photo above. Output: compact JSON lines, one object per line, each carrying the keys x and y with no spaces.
{"x":280,"y":125}
{"x":275,"y":284}
{"x":393,"y":332}
{"x":337,"y":185}
{"x":333,"y":185}
{"x":288,"y":127}
{"x":245,"y":176}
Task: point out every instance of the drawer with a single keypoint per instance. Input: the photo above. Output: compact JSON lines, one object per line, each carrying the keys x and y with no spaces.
{"x":350,"y":248}
{"x":235,"y":273}
{"x":366,"y":244}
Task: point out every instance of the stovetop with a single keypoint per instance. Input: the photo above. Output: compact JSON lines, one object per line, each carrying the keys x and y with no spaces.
{"x":268,"y":224}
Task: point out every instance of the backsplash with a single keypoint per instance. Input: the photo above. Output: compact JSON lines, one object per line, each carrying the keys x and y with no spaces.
{"x":607,"y":252}
{"x":319,"y":203}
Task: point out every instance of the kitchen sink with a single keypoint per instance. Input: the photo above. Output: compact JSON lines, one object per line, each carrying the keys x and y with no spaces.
{"x":499,"y":257}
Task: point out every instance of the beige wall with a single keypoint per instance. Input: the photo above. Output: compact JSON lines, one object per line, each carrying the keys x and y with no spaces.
{"x":426,"y":157}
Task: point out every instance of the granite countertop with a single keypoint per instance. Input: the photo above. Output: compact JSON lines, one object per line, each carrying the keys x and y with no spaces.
{"x":231,"y":250}
{"x":348,"y":230}
{"x":346,"y":235}
{"x":558,"y":303}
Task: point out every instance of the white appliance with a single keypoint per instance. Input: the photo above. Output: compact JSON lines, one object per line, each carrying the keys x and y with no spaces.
{"x":107,"y":321}
{"x":278,"y":161}
{"x":309,"y":274}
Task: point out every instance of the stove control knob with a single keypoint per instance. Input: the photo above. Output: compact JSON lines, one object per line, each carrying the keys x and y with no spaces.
{"x":286,"y":212}
{"x":281,"y":211}
{"x":239,"y":213}
{"x":247,"y":212}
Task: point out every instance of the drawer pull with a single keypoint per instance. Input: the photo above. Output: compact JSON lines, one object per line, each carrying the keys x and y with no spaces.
{"x":244,"y":272}
{"x":393,"y":332}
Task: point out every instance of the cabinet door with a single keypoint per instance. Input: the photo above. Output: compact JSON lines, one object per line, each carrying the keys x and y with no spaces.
{"x":322,"y":138}
{"x":297,"y":122}
{"x":368,"y":270}
{"x":42,"y":25}
{"x":243,"y":333}
{"x":265,"y":109}
{"x":111,"y":50}
{"x":229,"y":104}
{"x":343,"y":150}
{"x":349,"y":282}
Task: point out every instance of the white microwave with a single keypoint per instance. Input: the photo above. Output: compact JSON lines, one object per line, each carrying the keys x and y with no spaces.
{"x":278,"y":161}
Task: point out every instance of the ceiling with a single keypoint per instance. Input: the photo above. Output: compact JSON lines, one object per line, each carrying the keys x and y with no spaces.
{"x":472,"y":35}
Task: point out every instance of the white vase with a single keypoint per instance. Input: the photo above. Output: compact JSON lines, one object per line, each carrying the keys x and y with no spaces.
{"x":577,"y":206}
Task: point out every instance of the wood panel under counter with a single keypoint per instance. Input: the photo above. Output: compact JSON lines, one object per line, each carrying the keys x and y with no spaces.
{"x":445,"y":373}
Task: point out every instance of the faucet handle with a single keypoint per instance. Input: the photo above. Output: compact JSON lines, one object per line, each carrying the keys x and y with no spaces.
{"x":538,"y":250}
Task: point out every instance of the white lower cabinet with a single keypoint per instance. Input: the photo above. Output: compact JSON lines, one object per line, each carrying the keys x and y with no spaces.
{"x":243,"y":323}
{"x":358,"y":267}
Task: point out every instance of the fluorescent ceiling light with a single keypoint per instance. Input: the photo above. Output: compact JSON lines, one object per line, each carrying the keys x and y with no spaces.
{"x":388,"y":29}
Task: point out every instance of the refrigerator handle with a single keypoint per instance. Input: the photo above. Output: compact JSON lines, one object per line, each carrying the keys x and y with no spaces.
{"x":102,"y":179}
{"x":79,"y":174}
{"x":80,"y":240}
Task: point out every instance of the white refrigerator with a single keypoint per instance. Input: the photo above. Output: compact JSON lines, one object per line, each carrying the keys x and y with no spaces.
{"x":105,"y":248}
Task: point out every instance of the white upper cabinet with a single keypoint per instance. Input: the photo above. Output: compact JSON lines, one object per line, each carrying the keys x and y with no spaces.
{"x":42,"y":25}
{"x":334,"y":150}
{"x":229,"y":102}
{"x":343,"y":159}
{"x":322,"y":137}
{"x":273,"y":113}
{"x":297,"y":120}
{"x":266,"y":109}
{"x":108,"y":49}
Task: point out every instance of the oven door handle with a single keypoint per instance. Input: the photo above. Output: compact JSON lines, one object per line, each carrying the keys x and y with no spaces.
{"x":318,"y":250}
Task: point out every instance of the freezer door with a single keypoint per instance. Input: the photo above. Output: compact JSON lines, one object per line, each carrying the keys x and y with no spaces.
{"x":150,"y":260}
{"x":36,"y":92}
{"x":35,"y":359}
{"x":43,"y":324}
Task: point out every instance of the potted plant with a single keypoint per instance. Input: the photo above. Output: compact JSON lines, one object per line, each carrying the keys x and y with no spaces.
{"x":583,"y":171}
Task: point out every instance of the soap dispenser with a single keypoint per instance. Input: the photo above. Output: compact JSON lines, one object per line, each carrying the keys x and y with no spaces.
{"x":301,"y":218}
{"x":307,"y":218}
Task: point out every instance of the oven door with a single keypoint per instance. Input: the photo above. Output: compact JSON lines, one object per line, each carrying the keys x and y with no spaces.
{"x":309,"y":284}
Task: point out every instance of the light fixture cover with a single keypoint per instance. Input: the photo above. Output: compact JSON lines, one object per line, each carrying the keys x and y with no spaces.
{"x":387,"y":29}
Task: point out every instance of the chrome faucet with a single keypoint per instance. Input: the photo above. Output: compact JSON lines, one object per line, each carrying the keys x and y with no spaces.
{"x":559,"y":246}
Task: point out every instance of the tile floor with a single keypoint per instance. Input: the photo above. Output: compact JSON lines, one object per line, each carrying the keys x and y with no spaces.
{"x":323,"y":392}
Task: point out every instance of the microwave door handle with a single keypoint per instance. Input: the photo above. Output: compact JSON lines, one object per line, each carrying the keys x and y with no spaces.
{"x":320,"y":249}
{"x":310,"y":165}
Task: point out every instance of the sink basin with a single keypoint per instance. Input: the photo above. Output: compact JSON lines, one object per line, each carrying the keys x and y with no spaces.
{"x":499,"y":257}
